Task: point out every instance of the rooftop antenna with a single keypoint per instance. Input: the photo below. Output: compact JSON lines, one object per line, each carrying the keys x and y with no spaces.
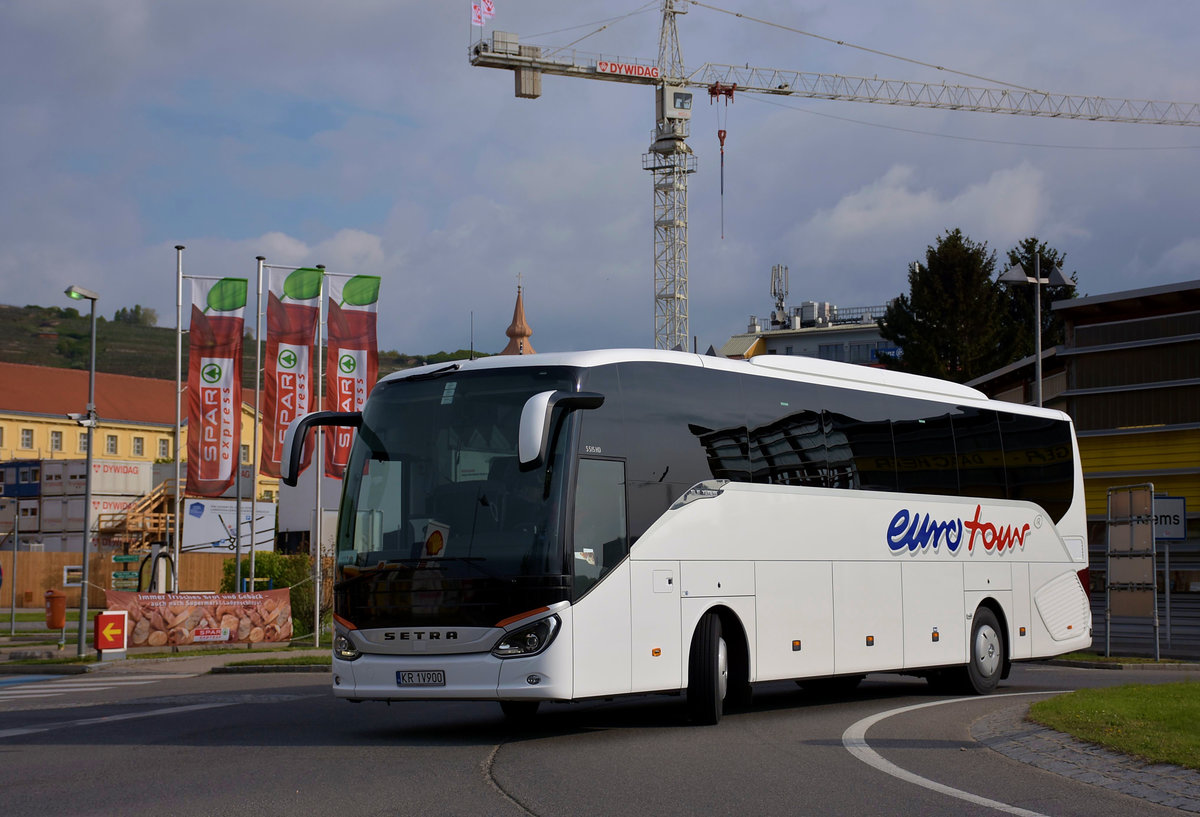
{"x":779,"y":291}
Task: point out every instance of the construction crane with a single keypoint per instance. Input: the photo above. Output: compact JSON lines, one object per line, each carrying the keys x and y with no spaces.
{"x":671,"y":160}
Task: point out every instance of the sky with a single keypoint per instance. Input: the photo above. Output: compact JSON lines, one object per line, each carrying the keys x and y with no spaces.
{"x":356,"y":134}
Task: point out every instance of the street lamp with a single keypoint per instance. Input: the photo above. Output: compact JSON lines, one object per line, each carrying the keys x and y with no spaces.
{"x":1016,"y":275}
{"x":88,"y":421}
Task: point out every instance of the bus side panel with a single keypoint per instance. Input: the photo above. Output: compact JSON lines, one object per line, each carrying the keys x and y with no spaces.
{"x":934,"y":618}
{"x":1019,"y":616}
{"x":654,"y":588}
{"x":867,"y":625}
{"x":601,"y":621}
{"x":794,"y":619}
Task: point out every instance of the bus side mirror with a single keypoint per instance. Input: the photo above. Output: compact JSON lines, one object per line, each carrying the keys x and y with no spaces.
{"x":533,"y":439}
{"x":297,"y":433}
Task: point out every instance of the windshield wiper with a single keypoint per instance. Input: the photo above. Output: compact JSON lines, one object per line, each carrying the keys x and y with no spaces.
{"x":453,"y":367}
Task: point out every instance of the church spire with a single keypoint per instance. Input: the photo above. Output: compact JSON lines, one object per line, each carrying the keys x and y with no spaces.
{"x":518,"y":331}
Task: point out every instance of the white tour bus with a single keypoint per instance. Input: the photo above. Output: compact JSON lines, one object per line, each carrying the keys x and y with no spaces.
{"x":559,"y":527}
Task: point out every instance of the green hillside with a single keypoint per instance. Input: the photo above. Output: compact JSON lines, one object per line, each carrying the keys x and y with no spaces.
{"x":54,"y":336}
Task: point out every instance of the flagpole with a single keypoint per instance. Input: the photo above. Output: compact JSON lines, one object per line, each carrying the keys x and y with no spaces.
{"x":178,"y":493}
{"x":320,"y":460}
{"x":257,"y":418}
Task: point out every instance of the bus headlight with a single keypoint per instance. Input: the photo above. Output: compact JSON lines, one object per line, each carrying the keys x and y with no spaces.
{"x":528,"y":640}
{"x":344,"y":648}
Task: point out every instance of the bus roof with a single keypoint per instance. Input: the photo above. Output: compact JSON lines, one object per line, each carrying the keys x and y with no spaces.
{"x":788,"y":367}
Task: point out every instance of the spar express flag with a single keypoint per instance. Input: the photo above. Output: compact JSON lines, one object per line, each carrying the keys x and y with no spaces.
{"x":293,"y":311}
{"x":215,"y":384}
{"x":352,"y":357}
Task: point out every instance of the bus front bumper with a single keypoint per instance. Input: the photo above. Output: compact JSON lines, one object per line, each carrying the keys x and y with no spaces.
{"x":462,"y":677}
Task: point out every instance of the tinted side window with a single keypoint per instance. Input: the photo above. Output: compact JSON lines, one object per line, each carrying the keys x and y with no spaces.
{"x":1039,"y":460}
{"x":683,"y":425}
{"x":925,"y":456}
{"x":858,"y":434}
{"x":787,"y":441}
{"x":980,"y":453}
{"x":602,"y":430}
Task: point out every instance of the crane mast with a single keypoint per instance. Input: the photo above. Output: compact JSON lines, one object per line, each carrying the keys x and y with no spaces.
{"x":671,"y":160}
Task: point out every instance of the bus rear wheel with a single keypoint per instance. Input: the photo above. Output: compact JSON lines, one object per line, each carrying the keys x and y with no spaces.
{"x":708,"y":672}
{"x":985,"y":665}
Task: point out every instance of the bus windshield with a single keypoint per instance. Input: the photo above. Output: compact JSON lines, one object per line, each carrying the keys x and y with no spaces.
{"x":433,"y":494}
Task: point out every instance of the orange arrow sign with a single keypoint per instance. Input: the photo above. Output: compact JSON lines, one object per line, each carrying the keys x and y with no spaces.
{"x":111,"y":631}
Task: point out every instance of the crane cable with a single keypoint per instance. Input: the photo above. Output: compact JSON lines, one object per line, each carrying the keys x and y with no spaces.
{"x":715,"y":90}
{"x":864,"y":48}
{"x":606,"y":22}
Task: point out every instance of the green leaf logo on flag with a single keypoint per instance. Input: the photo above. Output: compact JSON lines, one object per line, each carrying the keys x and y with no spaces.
{"x":227,"y":295}
{"x":211,"y":373}
{"x":303,"y":284}
{"x":288,"y":359}
{"x":361,"y":290}
{"x":347,"y":364}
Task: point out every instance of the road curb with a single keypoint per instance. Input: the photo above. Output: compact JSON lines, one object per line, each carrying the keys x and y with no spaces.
{"x":271,"y":668}
{"x":1113,"y":665}
{"x":47,"y":669}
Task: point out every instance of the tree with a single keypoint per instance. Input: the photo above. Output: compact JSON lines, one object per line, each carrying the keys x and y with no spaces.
{"x":950,"y":324}
{"x":1018,"y":339}
{"x":138,"y":316}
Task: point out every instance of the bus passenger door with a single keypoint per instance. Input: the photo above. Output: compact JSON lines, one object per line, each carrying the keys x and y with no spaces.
{"x":601,"y":612}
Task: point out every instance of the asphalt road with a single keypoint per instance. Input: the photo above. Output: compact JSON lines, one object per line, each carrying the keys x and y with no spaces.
{"x":148,"y":744}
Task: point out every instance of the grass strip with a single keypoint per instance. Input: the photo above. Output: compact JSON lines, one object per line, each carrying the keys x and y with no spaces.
{"x":1159,"y":723}
{"x":297,"y":660}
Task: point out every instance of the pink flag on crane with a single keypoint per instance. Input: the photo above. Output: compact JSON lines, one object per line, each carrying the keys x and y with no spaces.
{"x":476,"y":15}
{"x":489,"y":8}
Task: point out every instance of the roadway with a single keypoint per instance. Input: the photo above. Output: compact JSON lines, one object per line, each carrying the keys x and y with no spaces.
{"x":133,"y":740}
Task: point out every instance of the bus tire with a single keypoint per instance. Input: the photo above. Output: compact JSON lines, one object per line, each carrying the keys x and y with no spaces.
{"x":708,"y":672}
{"x":519,"y":710}
{"x":987,"y":654}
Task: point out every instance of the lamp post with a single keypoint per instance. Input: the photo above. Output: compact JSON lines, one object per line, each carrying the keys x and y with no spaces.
{"x":88,"y":421}
{"x":1016,"y":275}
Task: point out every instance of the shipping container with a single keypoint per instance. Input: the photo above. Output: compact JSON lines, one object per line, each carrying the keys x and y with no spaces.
{"x":119,"y":478}
{"x":62,"y":543}
{"x":65,"y":513}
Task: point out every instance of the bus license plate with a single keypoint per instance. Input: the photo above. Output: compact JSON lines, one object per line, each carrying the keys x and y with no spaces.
{"x":421,"y":678}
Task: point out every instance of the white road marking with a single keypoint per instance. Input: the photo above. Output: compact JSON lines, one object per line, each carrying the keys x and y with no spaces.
{"x":43,"y":688}
{"x":855,"y":741}
{"x":173,"y":710}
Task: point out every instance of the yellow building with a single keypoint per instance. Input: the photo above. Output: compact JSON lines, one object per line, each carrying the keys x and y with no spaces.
{"x":136,"y":418}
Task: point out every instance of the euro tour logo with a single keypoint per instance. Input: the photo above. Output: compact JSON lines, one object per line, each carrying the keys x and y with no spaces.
{"x":912,"y":531}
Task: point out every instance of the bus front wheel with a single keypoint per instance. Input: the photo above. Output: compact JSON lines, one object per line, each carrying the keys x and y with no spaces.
{"x":708,"y":672}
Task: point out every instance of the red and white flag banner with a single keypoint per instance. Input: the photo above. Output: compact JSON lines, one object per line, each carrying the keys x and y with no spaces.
{"x":489,"y":8}
{"x":215,"y":384}
{"x":476,"y":15}
{"x":293,"y":311}
{"x":352,"y":357}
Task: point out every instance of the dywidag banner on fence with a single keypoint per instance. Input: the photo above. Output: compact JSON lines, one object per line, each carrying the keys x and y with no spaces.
{"x":352,"y":357}
{"x":214,"y":384}
{"x":293,"y":311}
